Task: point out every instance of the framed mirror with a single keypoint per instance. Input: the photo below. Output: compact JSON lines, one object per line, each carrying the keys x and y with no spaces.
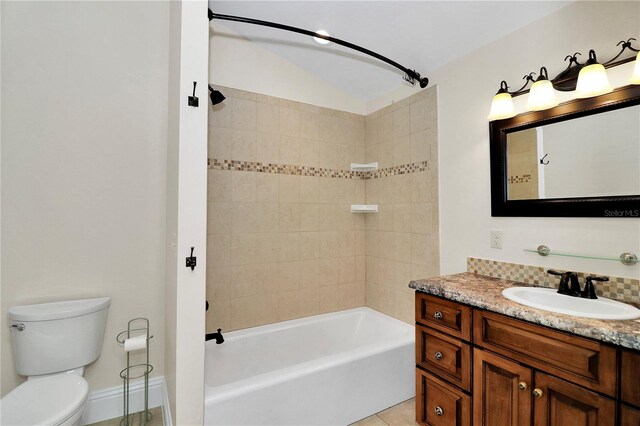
{"x":579,"y":159}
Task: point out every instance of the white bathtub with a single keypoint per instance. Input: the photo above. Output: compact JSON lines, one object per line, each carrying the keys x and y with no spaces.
{"x":331,"y":369}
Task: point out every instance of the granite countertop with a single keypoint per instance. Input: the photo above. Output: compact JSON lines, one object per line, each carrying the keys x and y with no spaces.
{"x":486,"y":293}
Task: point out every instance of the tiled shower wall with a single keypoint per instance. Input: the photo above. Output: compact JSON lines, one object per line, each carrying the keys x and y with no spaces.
{"x":282,"y":242}
{"x":402,"y":241}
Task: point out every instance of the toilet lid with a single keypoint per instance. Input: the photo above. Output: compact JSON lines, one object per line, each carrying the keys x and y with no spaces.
{"x":44,"y":400}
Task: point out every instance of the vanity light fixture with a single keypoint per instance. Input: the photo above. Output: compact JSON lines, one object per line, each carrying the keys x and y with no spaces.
{"x":587,"y":79}
{"x":502,"y":104}
{"x":592,"y":80}
{"x":542,"y":95}
{"x":635,"y":77}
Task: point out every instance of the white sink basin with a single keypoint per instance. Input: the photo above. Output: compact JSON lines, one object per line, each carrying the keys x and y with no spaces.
{"x":548,"y":299}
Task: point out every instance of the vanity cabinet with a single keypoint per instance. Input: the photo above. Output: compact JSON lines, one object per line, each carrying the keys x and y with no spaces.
{"x":511,"y":372}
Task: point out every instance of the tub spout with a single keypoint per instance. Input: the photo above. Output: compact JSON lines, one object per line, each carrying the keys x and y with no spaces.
{"x":217,"y":336}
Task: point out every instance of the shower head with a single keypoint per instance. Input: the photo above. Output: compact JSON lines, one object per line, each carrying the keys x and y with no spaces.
{"x":216,"y":96}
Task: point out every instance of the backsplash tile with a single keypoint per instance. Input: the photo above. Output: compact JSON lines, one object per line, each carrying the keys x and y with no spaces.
{"x":623,"y":289}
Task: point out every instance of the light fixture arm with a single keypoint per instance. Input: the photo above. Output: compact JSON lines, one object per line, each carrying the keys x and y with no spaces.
{"x":411,"y":75}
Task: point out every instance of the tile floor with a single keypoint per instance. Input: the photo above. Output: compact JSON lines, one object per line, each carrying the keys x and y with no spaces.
{"x":402,"y":414}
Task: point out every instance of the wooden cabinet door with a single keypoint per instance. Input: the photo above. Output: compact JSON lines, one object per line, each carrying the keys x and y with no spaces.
{"x":502,"y":391}
{"x":562,"y":403}
{"x":629,"y":416}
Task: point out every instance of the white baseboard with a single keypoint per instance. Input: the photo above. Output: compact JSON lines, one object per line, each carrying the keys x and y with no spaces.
{"x":107,"y":403}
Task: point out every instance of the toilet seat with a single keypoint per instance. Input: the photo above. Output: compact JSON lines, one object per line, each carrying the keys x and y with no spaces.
{"x":50,"y":400}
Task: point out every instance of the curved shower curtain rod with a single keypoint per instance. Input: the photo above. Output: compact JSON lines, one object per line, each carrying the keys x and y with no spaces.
{"x":411,"y":75}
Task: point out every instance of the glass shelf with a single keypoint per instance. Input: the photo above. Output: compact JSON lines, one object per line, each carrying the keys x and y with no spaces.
{"x":625,"y":258}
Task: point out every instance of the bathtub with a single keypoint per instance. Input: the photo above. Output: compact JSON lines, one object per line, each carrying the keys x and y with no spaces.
{"x":330,"y":369}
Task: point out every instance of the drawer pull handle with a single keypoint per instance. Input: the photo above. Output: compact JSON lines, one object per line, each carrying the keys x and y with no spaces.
{"x":538,"y":393}
{"x":438,"y":355}
{"x":437,"y":315}
{"x":439,"y":411}
{"x":522,"y":386}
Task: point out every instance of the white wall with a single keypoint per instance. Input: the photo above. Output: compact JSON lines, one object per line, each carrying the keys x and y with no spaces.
{"x":236,"y":62}
{"x":466,"y":87}
{"x":84,"y":110}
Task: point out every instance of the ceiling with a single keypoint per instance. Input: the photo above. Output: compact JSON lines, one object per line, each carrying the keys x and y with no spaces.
{"x":420,"y":35}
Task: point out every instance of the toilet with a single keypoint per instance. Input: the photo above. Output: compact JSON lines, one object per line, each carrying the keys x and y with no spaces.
{"x":52,"y":343}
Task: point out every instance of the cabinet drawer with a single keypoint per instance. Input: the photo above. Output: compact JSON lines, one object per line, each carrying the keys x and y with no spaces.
{"x":444,"y":356}
{"x":585,"y":362}
{"x":630,"y":377}
{"x":444,"y":315}
{"x":440,"y":404}
{"x":629,"y":416}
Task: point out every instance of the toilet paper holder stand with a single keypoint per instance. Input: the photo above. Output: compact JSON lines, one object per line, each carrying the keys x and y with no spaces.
{"x":136,"y":328}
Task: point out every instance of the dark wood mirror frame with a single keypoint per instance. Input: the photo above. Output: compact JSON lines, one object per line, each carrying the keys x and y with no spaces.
{"x":618,"y":206}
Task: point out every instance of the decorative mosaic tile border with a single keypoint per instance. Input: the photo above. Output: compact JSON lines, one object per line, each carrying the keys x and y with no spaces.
{"x":519,"y":179}
{"x":252,"y":166}
{"x":623,"y":289}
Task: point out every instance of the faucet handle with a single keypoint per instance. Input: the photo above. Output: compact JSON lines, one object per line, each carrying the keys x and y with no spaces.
{"x":554,"y":272}
{"x":589,"y":291}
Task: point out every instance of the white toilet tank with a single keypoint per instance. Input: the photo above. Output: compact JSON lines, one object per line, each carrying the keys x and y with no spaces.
{"x":60,"y":336}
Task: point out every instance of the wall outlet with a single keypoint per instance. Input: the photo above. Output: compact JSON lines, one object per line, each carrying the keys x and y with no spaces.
{"x":496,"y":239}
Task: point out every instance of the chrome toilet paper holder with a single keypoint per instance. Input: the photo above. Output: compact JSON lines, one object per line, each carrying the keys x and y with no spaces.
{"x":136,"y":328}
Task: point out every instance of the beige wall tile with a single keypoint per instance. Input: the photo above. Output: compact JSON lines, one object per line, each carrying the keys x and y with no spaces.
{"x":267,"y":187}
{"x":290,"y":122}
{"x":289,"y":214}
{"x":288,"y":305}
{"x":243,"y":186}
{"x":219,"y":217}
{"x":420,"y":150}
{"x":328,"y":244}
{"x":288,"y":246}
{"x":309,"y":189}
{"x":328,"y":271}
{"x":347,"y":296}
{"x":309,"y":273}
{"x":265,"y":308}
{"x":243,"y":114}
{"x":309,"y":217}
{"x":346,"y":269}
{"x":221,"y":115}
{"x":401,"y":125}
{"x":288,"y":276}
{"x":309,"y":152}
{"x":268,"y":118}
{"x":289,"y":150}
{"x":385,"y":128}
{"x":419,"y":115}
{"x":220,"y":142}
{"x":218,"y":315}
{"x":309,"y":301}
{"x":218,"y":185}
{"x":242,"y":313}
{"x":268,"y":148}
{"x":244,"y":145}
{"x":328,"y":299}
{"x":289,"y":191}
{"x":219,"y":282}
{"x":309,"y":245}
{"x":309,"y":125}
{"x":219,"y":250}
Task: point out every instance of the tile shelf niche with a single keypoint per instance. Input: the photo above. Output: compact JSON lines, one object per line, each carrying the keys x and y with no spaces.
{"x":370,"y":167}
{"x":364,"y":208}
